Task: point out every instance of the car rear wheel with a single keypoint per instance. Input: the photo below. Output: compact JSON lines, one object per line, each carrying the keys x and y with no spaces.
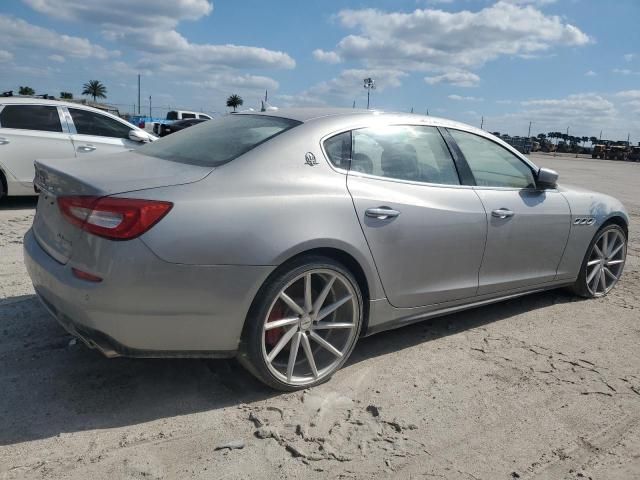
{"x":303,"y":325}
{"x":603,"y":264}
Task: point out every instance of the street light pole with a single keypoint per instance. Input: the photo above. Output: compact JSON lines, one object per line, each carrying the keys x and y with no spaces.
{"x":150,"y":107}
{"x":369,"y":84}
{"x":529,"y":134}
{"x":138,"y":94}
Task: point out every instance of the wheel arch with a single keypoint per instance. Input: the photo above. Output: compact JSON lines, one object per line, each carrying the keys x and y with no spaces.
{"x":368,"y":286}
{"x":3,"y":182}
{"x":617,"y":220}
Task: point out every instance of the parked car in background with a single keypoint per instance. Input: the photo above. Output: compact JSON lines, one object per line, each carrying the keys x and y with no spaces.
{"x":34,"y":128}
{"x":281,"y":238}
{"x":166,"y":129}
{"x":173,"y":116}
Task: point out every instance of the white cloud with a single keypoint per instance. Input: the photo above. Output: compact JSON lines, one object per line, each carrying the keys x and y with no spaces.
{"x":5,"y":56}
{"x":629,"y":57}
{"x":583,"y":113}
{"x":459,"y":79}
{"x":17,"y":33}
{"x":346,"y":87}
{"x":625,"y":71}
{"x":590,"y":73}
{"x":460,"y":98}
{"x":56,"y":58}
{"x":227,"y":81}
{"x":124,"y":13}
{"x":327,"y":57}
{"x":630,"y":94}
{"x":432,"y":40}
{"x":150,"y":26}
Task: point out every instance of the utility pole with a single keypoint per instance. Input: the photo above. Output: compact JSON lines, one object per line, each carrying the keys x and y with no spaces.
{"x":481,"y":122}
{"x":138,"y":94}
{"x":354,"y":104}
{"x":567,"y":131}
{"x":369,"y":84}
{"x":427,"y":112}
{"x":411,"y":109}
{"x":628,"y":138}
{"x":529,"y":134}
{"x":150,"y":107}
{"x":600,"y":134}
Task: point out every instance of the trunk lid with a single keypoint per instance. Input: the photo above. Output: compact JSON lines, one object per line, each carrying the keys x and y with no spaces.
{"x":98,"y":176}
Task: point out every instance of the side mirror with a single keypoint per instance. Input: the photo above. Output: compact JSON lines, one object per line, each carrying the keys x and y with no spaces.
{"x":138,"y":136}
{"x":547,"y":178}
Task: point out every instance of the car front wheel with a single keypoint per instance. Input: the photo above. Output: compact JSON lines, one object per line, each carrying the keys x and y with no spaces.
{"x":303,"y":325}
{"x":603,"y":264}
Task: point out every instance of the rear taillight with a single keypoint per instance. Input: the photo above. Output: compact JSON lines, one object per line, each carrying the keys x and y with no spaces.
{"x":111,"y":217}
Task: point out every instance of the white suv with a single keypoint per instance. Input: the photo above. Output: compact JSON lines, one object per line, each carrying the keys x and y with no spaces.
{"x":32,"y":128}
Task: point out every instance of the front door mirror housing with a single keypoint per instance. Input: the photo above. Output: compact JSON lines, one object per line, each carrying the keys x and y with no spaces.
{"x":547,"y":178}
{"x":139,"y":136}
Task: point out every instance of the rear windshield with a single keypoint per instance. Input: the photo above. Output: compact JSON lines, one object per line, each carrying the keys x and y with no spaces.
{"x":218,"y":141}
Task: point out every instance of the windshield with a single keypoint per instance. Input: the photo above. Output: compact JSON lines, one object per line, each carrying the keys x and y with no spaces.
{"x":218,"y":141}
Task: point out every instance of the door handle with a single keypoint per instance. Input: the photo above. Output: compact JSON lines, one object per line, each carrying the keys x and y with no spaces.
{"x":502,"y":213}
{"x":86,"y":148}
{"x":3,"y":141}
{"x":381,"y":213}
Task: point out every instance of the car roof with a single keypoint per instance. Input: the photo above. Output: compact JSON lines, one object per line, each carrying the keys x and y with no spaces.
{"x":40,"y":101}
{"x":316,"y":113}
{"x":345,"y":116}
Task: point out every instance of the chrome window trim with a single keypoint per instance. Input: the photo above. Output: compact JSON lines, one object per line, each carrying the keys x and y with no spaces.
{"x":378,"y":177}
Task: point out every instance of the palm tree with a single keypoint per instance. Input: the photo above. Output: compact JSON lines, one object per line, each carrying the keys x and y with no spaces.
{"x":234,"y":101}
{"x":593,"y":140}
{"x":26,"y":91}
{"x":95,"y":89}
{"x":67,"y":95}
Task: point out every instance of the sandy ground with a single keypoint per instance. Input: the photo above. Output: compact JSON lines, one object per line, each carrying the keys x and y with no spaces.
{"x":547,"y":386}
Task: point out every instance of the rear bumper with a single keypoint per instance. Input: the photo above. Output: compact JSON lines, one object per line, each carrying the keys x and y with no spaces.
{"x":146,"y":307}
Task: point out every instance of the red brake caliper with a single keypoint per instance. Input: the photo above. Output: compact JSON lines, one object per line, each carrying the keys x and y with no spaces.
{"x":271,"y":337}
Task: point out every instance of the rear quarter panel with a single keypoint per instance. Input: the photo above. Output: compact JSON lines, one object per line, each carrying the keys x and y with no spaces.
{"x":262,"y":209}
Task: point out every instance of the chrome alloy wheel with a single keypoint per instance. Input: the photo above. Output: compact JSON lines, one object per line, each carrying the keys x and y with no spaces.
{"x":606,"y":262}
{"x":310,"y":327}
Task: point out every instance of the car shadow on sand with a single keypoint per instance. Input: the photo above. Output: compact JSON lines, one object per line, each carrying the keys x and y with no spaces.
{"x":51,"y":384}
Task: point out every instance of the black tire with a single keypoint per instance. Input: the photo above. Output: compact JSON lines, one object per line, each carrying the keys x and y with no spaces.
{"x":250,"y":354}
{"x":580,"y":288}
{"x":3,"y":182}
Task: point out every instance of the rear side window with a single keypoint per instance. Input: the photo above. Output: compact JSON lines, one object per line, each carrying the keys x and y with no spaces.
{"x":338,"y":150}
{"x":188,"y":115}
{"x":404,"y":152}
{"x":219,"y":140}
{"x":31,"y":117}
{"x":204,"y":117}
{"x":91,"y":123}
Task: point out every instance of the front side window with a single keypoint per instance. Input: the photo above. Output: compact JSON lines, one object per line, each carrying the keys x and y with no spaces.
{"x":31,"y":117}
{"x":491,"y":164}
{"x":404,"y":152}
{"x":91,"y":123}
{"x":218,"y":141}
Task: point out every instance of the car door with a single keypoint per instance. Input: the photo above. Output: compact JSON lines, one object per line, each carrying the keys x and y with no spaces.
{"x":426,"y":232}
{"x":527,"y":227}
{"x":95,"y":133}
{"x":29,"y":132}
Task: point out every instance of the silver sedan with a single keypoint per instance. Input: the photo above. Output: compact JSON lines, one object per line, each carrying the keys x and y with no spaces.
{"x":281,"y":238}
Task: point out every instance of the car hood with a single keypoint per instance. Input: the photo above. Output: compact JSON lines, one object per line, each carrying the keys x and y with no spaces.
{"x":112,"y":174}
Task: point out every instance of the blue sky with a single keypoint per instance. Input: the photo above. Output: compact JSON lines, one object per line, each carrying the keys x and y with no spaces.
{"x":559,"y":64}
